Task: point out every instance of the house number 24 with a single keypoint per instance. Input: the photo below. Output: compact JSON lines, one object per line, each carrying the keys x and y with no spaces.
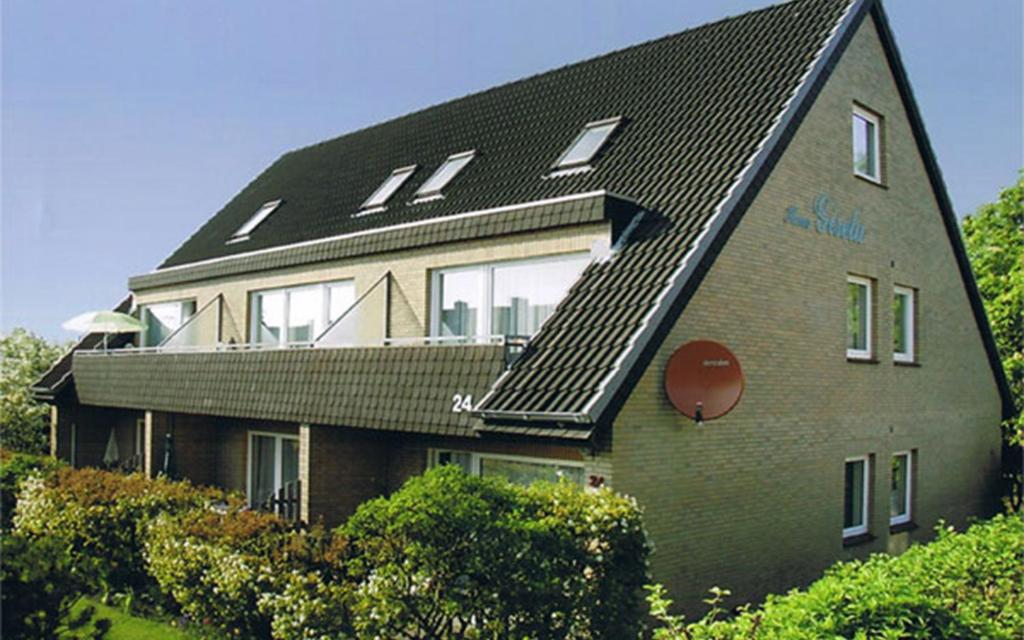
{"x":462,"y":403}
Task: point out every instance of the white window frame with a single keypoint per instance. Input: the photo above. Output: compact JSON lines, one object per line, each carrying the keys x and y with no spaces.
{"x":180,"y":301}
{"x":866,"y":353}
{"x":325,"y":307}
{"x":876,"y":122}
{"x":423,"y":194}
{"x":487,"y":288}
{"x":906,"y":516}
{"x":574,"y":167}
{"x":475,"y":457}
{"x":861,"y":529}
{"x":278,"y":460}
{"x":243,"y":232}
{"x":140,"y":434}
{"x":379,"y":198}
{"x":909,"y":320}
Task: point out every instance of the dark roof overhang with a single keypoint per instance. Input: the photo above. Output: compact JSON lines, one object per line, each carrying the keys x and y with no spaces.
{"x":563,"y":211}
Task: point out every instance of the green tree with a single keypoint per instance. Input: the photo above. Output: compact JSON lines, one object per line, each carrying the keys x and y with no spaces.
{"x":994,"y":237}
{"x":24,"y":357}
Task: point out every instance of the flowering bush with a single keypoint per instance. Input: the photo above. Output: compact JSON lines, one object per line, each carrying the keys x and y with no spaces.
{"x":451,"y":554}
{"x":14,"y":469}
{"x":961,"y":586}
{"x":101,"y":515}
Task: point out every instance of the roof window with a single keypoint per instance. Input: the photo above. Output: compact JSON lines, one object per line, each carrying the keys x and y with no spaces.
{"x":387,"y":189}
{"x":431,"y":189}
{"x":253,"y":222}
{"x":588,"y":143}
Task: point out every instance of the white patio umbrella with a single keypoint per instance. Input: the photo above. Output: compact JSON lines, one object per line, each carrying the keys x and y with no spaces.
{"x":112,"y":454}
{"x":105,"y":322}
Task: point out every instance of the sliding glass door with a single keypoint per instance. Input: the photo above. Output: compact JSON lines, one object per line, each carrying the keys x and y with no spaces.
{"x":273,"y":464}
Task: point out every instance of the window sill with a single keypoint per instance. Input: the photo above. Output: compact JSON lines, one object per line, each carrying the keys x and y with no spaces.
{"x":906,"y":363}
{"x":870,"y":180}
{"x":857,"y":540}
{"x":910,"y":525}
{"x":861,"y":360}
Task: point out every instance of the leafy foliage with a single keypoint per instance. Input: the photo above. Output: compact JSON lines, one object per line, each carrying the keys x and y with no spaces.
{"x":24,"y":357}
{"x":14,"y":469}
{"x":41,"y":582}
{"x":451,"y":555}
{"x":102,"y":516}
{"x":994,"y":237}
{"x":961,"y":586}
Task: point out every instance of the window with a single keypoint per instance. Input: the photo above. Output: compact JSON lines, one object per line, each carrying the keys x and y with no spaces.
{"x":510,"y":298}
{"x":900,"y":491}
{"x":392,"y":184}
{"x":140,"y":437}
{"x":253,"y":222}
{"x":297,"y":314}
{"x":903,"y":324}
{"x":588,"y":143}
{"x":516,"y":469}
{"x":164,"y":318}
{"x":273,"y":464}
{"x":858,"y":317}
{"x":452,"y":166}
{"x":866,"y":126}
{"x":855,"y":497}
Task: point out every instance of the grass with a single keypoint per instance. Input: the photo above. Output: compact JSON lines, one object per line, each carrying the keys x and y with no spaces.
{"x":128,"y":627}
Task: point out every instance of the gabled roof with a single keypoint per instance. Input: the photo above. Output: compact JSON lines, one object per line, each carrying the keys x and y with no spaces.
{"x":706,"y":114}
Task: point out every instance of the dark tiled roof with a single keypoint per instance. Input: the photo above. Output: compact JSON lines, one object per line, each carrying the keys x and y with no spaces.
{"x":400,"y":388}
{"x":593,"y":207}
{"x":694,"y":105}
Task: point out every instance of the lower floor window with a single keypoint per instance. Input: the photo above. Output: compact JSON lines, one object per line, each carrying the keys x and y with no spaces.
{"x":900,"y":490}
{"x":517,"y":469}
{"x":855,"y":497}
{"x":273,"y":465}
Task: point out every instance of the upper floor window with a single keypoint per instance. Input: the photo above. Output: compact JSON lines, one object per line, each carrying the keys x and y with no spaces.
{"x":516,"y":469}
{"x":901,"y":488}
{"x":250,"y":225}
{"x":903,"y":324}
{"x":444,"y":174}
{"x":388,"y":188}
{"x":866,"y":144}
{"x":507,"y":298}
{"x":855,"y":496}
{"x":588,"y":143}
{"x":164,"y":318}
{"x":858,"y":317}
{"x":297,"y":314}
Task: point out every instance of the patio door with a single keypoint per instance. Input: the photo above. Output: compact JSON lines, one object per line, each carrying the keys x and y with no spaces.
{"x":273,"y":464}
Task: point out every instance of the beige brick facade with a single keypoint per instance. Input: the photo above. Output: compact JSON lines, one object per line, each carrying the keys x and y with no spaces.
{"x":754,"y":501}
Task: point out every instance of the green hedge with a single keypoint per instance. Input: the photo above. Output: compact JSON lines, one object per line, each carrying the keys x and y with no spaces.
{"x":102,"y":516}
{"x":962,"y":586}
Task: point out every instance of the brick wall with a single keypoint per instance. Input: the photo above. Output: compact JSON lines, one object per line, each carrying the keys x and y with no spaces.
{"x":753,"y":502}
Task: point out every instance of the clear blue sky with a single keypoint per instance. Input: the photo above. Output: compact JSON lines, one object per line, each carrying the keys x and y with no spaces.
{"x":126,"y":124}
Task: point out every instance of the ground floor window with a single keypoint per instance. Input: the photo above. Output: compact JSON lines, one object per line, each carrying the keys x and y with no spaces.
{"x":901,"y":486}
{"x":855,"y":497}
{"x":273,"y":464}
{"x":518,"y":469}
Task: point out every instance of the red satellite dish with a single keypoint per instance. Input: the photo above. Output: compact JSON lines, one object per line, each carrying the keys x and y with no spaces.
{"x":703,"y":380}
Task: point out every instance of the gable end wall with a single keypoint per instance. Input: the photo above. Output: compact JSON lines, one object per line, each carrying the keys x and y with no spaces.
{"x":753,"y":502}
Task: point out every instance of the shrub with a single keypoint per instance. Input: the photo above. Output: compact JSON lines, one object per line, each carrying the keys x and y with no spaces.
{"x":14,"y":469}
{"x":453,"y":554}
{"x":102,"y":516}
{"x":238,"y":571}
{"x":41,"y":582}
{"x":963,"y":586}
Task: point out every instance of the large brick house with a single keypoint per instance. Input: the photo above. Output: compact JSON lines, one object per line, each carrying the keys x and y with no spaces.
{"x":499,"y":282}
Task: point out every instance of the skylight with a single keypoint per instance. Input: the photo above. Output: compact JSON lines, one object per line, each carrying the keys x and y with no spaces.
{"x":444,"y":174}
{"x":253,"y":222}
{"x":588,"y":143}
{"x":388,"y":187}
